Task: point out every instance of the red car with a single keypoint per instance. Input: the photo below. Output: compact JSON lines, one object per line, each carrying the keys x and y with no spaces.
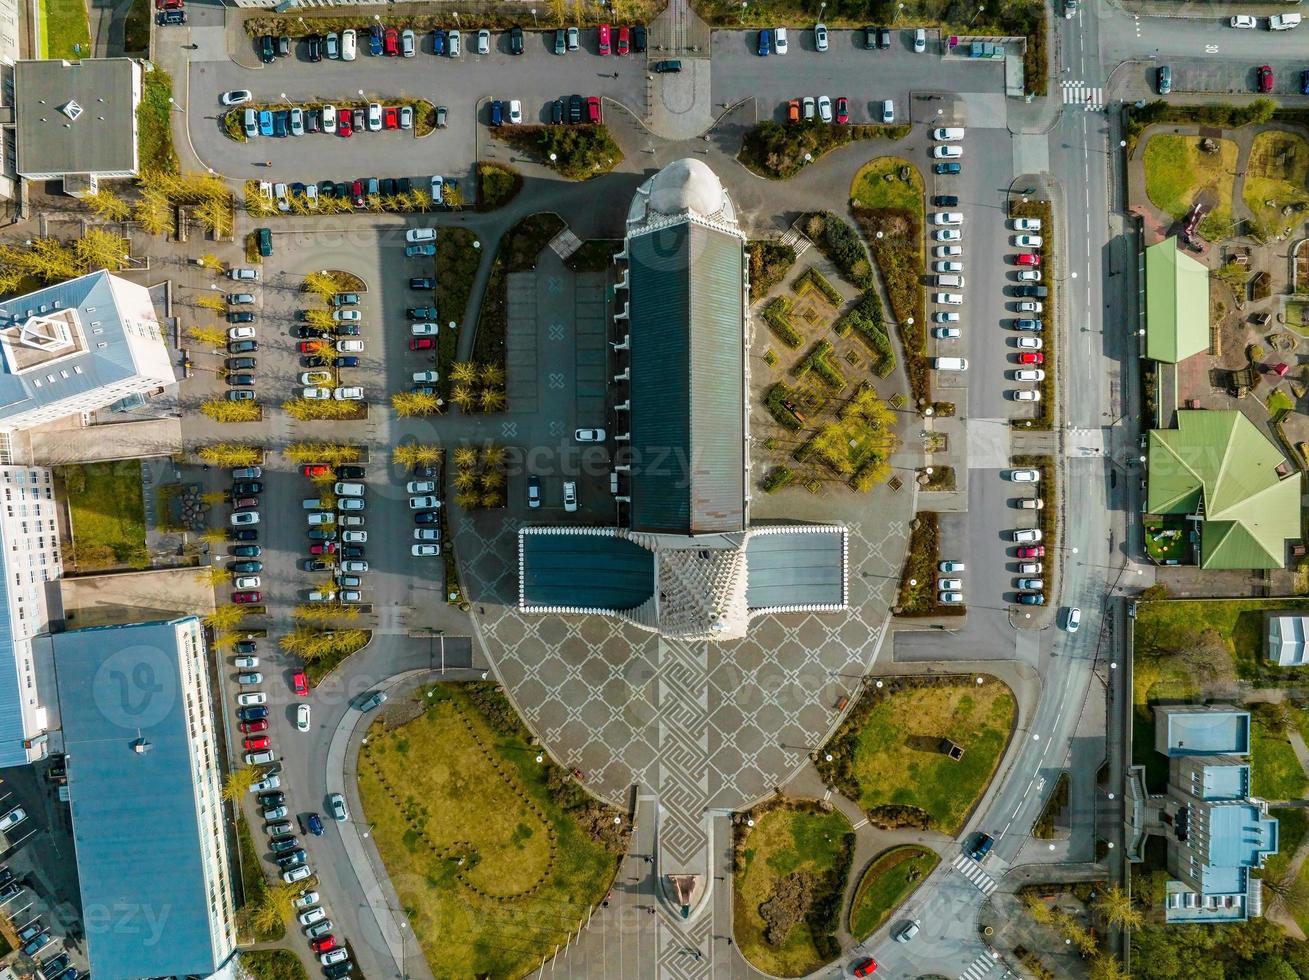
{"x":245,"y":503}
{"x":1031,"y":357}
{"x":624,"y":40}
{"x":842,"y":110}
{"x":602,"y":35}
{"x":247,"y":598}
{"x":309,"y":346}
{"x":593,"y":109}
{"x":390,"y":117}
{"x":323,"y":549}
{"x":300,"y":683}
{"x":391,"y":41}
{"x":1265,"y":79}
{"x":324,"y":944}
{"x":1032,"y":551}
{"x":422,"y":343}
{"x":315,"y":469}
{"x":250,"y":727}
{"x":343,"y":127}
{"x":256,"y":743}
{"x":1028,"y":258}
{"x":357,"y":193}
{"x":865,"y":968}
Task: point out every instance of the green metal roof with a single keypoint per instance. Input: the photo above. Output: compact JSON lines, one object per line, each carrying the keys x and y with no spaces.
{"x":1220,"y":462}
{"x":1176,"y":303}
{"x":687,"y":384}
{"x":584,"y":571}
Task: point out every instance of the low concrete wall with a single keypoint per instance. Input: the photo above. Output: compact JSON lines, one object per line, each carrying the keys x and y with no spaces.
{"x":105,"y":443}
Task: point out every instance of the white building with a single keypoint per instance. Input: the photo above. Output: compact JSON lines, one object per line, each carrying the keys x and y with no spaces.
{"x":145,"y":787}
{"x":29,"y":559}
{"x":76,"y":347}
{"x":1287,"y":640}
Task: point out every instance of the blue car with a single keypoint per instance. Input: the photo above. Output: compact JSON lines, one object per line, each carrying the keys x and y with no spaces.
{"x":375,"y":39}
{"x":265,"y":122}
{"x":765,"y":43}
{"x":280,"y":127}
{"x":315,"y":824}
{"x":1304,"y":81}
{"x":497,"y":112}
{"x":438,"y":41}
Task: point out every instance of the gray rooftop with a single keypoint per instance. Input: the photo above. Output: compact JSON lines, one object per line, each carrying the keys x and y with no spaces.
{"x":12,"y":735}
{"x":102,"y":139}
{"x":135,"y":822}
{"x":1182,"y":730}
{"x":795,"y":568}
{"x":688,"y":383}
{"x":585,"y":571}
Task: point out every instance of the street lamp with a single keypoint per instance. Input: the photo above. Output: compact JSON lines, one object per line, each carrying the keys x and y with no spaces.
{"x":980,"y":9}
{"x":744,"y":4}
{"x":534,"y":23}
{"x":898,"y":11}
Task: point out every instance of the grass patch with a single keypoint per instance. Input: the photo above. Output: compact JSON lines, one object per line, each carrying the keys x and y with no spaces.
{"x":65,"y":30}
{"x":1167,"y":539}
{"x":273,"y":964}
{"x":1279,"y":403}
{"x":457,"y":257}
{"x":1276,"y":773}
{"x":796,"y":857}
{"x":917,"y":595}
{"x":1276,"y":176}
{"x":878,"y":184}
{"x":154,"y":124}
{"x":575,"y":152}
{"x":1043,"y":829}
{"x":776,"y":151}
{"x":107,"y":512}
{"x":524,"y":832}
{"x":595,"y":255}
{"x":136,"y":28}
{"x":1176,"y":172}
{"x":887,"y":756}
{"x":769,"y":264}
{"x":254,"y":886}
{"x":887,"y":882}
{"x":517,"y":253}
{"x":496,"y":185}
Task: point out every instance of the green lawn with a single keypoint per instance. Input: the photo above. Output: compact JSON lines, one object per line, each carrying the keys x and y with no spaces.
{"x":273,"y":964}
{"x":886,"y":754}
{"x":490,"y":868}
{"x":154,"y":124}
{"x":1167,"y":539}
{"x":254,"y":885}
{"x":108,"y":514}
{"x":783,"y":841}
{"x":1276,"y":772}
{"x":1276,"y":176}
{"x":887,"y":882}
{"x":1176,"y":171}
{"x":878,"y":185}
{"x":1279,"y":401}
{"x":67,"y":33}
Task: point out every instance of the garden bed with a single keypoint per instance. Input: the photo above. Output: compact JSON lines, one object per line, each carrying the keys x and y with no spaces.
{"x":769,"y":263}
{"x":497,"y":185}
{"x":106,"y":511}
{"x":517,"y":253}
{"x":777,"y":151}
{"x":888,"y":881}
{"x":575,"y":152}
{"x":918,"y":594}
{"x":458,"y":254}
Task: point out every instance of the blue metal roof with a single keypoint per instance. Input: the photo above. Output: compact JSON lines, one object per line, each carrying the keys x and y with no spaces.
{"x":585,"y":571}
{"x":1239,"y":837}
{"x":797,"y":568}
{"x":1226,"y":782}
{"x":12,"y":752}
{"x":135,"y":821}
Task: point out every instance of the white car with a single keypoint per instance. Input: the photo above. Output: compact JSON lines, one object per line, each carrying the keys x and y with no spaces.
{"x":311,"y":916}
{"x":888,"y":112}
{"x":948,"y":218}
{"x":589,"y":435}
{"x":950,"y":598}
{"x":950,"y":566}
{"x":949,"y":584}
{"x":332,"y":955}
{"x":349,"y":45}
{"x":1025,"y":476}
{"x":1029,"y":343}
{"x":947,"y":151}
{"x":246,"y":582}
{"x":1025,"y":535}
{"x":237,"y":96}
{"x":241,"y":333}
{"x":329,"y":119}
{"x":320,"y":517}
{"x":948,"y":299}
{"x":1028,"y":275}
{"x":354,"y":566}
{"x":244,"y":518}
{"x":920,"y":40}
{"x":948,"y":134}
{"x":302,"y":717}
{"x":947,"y":235}
{"x":483,"y":41}
{"x":947,"y":267}
{"x":452,"y":44}
{"x":426,"y":502}
{"x":1073,"y":620}
{"x":424,"y":329}
{"x":406,"y":117}
{"x":350,"y":503}
{"x":342,"y":316}
{"x":947,"y":251}
{"x":315,"y":377}
{"x":820,"y":37}
{"x":251,"y":698}
{"x":416,"y":235}
{"x":1026,"y":224}
{"x":1027,"y":395}
{"x":374,"y":117}
{"x":354,"y":537}
{"x":947,"y":333}
{"x":515,"y":111}
{"x":306,"y":899}
{"x":264,"y":785}
{"x":13,"y":818}
{"x":349,"y":346}
{"x":1244,"y":22}
{"x":1030,"y":306}
{"x":336,"y":803}
{"x":426,"y":534}
{"x":420,"y":486}
{"x":570,"y":496}
{"x":1029,"y":374}
{"x":300,"y":874}
{"x":907,"y":932}
{"x":1027,"y":241}
{"x":945,"y":316}
{"x":438,"y":190}
{"x":259,"y":758}
{"x":825,"y":108}
{"x":246,"y":663}
{"x":425,"y":550}
{"x":349,"y":393}
{"x":316,"y":394}
{"x":243,"y":275}
{"x":425,"y":377}
{"x":779,"y":40}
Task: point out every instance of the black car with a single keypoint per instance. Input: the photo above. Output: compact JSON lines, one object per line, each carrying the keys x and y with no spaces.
{"x":350,"y":472}
{"x":246,"y":551}
{"x":310,"y":333}
{"x":352,"y":551}
{"x":280,"y":845}
{"x":52,"y":968}
{"x":326,"y":188}
{"x":1028,"y":291}
{"x":360,"y":121}
{"x":638,"y":38}
{"x":1031,"y":598}
{"x":424,"y":314}
{"x":666,"y":67}
{"x":243,"y":317}
{"x":246,"y":488}
{"x":267,"y":48}
{"x":9,"y":891}
{"x":243,"y":534}
{"x":322,"y":534}
{"x":274,"y":797}
{"x":883,"y":37}
{"x":315,"y":46}
{"x":945,"y":201}
{"x":515,"y":40}
{"x":259,"y":713}
{"x":576,"y":108}
{"x":313,"y":121}
{"x":264,"y":236}
{"x":338,"y":971}
{"x":870,"y":38}
{"x":427,"y":517}
{"x":295,"y":859}
{"x":557,"y":111}
{"x":312,"y":565}
{"x":281,"y":123}
{"x":422,"y":283}
{"x":242,"y":363}
{"x":245,"y":380}
{"x":388,"y":186}
{"x":346,"y":330}
{"x":342,"y":190}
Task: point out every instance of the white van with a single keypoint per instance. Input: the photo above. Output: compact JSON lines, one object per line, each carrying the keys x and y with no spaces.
{"x":950,"y":363}
{"x":948,"y":299}
{"x":888,"y":112}
{"x":251,"y":125}
{"x":950,"y":281}
{"x":948,"y":134}
{"x":348,"y":489}
{"x":349,"y":47}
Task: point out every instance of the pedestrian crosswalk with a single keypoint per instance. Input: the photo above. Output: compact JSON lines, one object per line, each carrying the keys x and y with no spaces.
{"x":979,"y":968}
{"x":971,"y":870}
{"x":1090,"y":98}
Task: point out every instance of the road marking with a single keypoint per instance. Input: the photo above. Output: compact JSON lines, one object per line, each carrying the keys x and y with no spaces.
{"x":1088,"y":97}
{"x":1211,"y":49}
{"x":971,"y":870}
{"x":861,"y":823}
{"x":979,"y":968}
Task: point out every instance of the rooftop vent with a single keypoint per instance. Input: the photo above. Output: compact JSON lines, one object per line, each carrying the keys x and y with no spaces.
{"x":71,"y":109}
{"x":141,"y":745}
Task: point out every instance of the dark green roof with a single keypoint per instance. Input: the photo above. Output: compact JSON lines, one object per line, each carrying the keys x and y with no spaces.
{"x":687,"y":386}
{"x":795,"y":568}
{"x":584,"y":571}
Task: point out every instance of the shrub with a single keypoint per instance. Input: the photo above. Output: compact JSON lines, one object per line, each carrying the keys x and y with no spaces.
{"x":840,"y":243}
{"x":777,"y":316}
{"x":497,"y":185}
{"x":819,"y":361}
{"x":769,"y":263}
{"x":867,"y":320}
{"x":813,"y":279}
{"x":779,"y":395}
{"x":777,"y":478}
